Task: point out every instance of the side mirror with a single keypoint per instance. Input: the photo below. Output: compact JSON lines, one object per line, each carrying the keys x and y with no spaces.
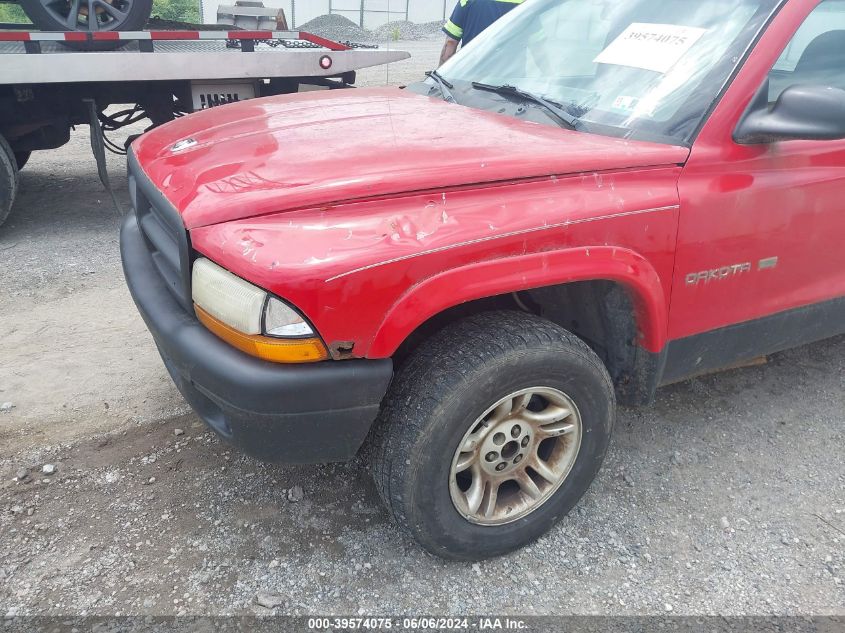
{"x":802,"y":112}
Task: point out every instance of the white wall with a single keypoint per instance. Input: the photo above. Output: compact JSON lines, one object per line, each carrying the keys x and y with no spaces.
{"x":430,"y":10}
{"x":418,"y":10}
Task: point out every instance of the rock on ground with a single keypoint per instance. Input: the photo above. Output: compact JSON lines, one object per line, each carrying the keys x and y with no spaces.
{"x":336,"y":27}
{"x":407,"y":31}
{"x":269,"y":600}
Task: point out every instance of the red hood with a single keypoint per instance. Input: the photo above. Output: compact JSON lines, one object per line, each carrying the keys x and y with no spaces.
{"x":316,"y":149}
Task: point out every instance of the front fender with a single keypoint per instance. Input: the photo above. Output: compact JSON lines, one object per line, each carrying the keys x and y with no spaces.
{"x":495,"y":277}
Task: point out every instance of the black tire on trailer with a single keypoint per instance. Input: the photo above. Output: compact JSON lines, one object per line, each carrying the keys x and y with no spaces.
{"x":112,"y":15}
{"x":8,"y":179}
{"x":22,"y":158}
{"x":491,"y":432}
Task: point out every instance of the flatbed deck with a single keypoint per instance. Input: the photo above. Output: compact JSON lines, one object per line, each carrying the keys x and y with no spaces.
{"x":51,"y":82}
{"x":177,"y":55}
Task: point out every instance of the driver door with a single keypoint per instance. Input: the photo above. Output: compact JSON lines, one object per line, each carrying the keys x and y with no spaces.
{"x":760,"y":263}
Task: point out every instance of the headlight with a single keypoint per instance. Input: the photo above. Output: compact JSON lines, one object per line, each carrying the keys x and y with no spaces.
{"x":230,"y":299}
{"x":250,"y":319}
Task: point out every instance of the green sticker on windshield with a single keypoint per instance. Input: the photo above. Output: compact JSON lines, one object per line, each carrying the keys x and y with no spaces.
{"x":625,"y":104}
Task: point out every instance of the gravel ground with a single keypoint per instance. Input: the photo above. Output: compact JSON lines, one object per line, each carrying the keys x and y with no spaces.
{"x":340,"y":28}
{"x":336,"y":27}
{"x":424,"y":57}
{"x":725,"y":497}
{"x":408,"y":31}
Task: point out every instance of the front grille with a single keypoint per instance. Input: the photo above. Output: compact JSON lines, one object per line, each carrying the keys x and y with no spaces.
{"x":164,"y":234}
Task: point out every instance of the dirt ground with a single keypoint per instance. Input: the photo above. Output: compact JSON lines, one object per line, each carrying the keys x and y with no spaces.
{"x":725,"y":497}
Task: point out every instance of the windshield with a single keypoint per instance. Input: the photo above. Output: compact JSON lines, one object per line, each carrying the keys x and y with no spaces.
{"x":647,"y":69}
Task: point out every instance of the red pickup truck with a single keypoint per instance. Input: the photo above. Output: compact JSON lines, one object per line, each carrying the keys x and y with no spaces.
{"x":593,"y":199}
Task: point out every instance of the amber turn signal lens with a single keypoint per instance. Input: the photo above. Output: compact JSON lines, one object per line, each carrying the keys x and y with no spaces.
{"x":305,"y":350}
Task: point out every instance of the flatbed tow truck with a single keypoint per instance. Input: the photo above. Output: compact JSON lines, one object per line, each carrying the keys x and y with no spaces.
{"x":51,"y":82}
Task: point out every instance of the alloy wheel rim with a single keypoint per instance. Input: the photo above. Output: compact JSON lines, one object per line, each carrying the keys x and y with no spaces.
{"x":515,"y":456}
{"x":89,"y":15}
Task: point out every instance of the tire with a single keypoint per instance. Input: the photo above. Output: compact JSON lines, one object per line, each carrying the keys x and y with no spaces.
{"x":22,"y":158}
{"x":55,"y":15}
{"x":440,"y":399}
{"x":8,"y":180}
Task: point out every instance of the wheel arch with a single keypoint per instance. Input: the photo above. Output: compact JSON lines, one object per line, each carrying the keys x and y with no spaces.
{"x":610,"y":297}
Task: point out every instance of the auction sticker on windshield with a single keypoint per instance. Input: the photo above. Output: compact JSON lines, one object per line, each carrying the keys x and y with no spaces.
{"x":655,"y":47}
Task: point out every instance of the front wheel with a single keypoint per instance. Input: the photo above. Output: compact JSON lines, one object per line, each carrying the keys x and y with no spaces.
{"x":491,"y":432}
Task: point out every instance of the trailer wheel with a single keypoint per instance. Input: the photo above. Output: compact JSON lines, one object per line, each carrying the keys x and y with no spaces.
{"x":75,"y":15}
{"x":8,"y":179}
{"x":22,"y":158}
{"x":491,"y":432}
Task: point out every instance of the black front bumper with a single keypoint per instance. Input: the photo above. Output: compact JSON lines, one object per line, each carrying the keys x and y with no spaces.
{"x":306,"y":413}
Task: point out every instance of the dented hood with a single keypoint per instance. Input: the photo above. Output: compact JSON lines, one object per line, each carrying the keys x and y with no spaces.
{"x":321,"y":148}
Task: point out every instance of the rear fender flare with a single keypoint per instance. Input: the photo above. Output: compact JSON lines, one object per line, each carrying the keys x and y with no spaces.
{"x":495,"y":277}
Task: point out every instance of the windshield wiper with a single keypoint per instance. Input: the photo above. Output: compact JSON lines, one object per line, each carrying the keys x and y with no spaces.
{"x":445,"y":86}
{"x":556,"y":110}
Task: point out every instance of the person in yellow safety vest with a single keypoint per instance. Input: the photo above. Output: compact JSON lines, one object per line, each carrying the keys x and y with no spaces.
{"x":470,"y":18}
